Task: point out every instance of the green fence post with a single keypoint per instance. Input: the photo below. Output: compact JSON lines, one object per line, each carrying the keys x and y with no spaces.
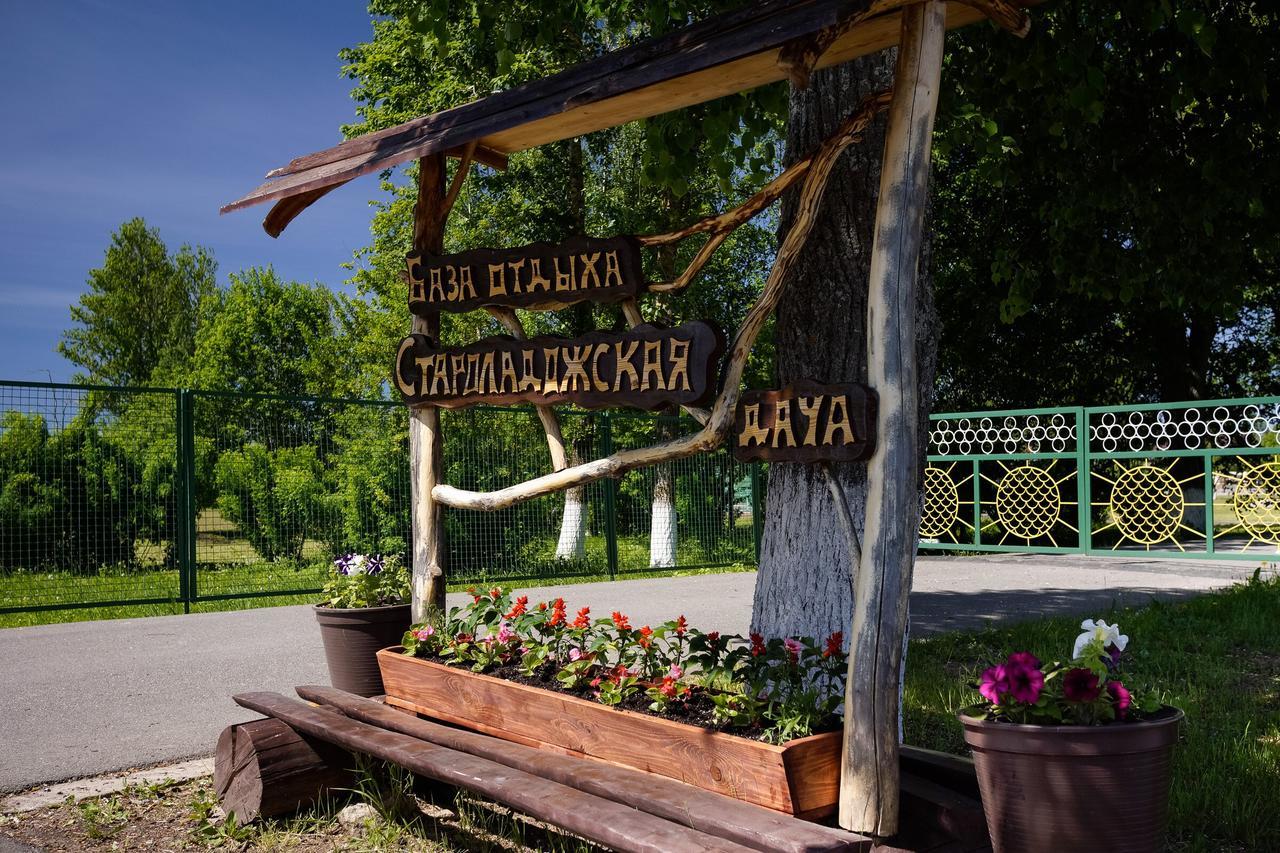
{"x":610,"y":500}
{"x":757,"y":510}
{"x":185,"y":500}
{"x":1208,"y":504}
{"x":1084,"y":482}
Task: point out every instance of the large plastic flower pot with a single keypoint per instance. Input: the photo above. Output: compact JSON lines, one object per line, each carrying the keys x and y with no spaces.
{"x":1062,"y":789}
{"x":352,"y":638}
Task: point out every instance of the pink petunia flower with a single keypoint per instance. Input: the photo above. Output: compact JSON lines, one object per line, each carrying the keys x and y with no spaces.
{"x":1022,"y":670}
{"x":1080,"y":685}
{"x":1121,"y":698}
{"x":995,"y":681}
{"x":675,"y":671}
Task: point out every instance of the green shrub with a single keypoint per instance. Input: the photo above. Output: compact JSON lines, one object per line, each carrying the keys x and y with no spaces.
{"x":275,"y":497}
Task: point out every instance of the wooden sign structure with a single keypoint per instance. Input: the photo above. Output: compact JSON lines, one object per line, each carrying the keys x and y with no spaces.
{"x":646,"y":367}
{"x":724,"y":55}
{"x":540,"y":277}
{"x":806,"y":422}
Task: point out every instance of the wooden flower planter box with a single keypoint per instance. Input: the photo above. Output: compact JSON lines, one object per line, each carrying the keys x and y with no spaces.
{"x":801,"y":777}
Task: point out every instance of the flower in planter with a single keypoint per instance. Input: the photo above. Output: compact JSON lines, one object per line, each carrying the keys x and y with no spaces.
{"x":583,"y":619}
{"x":360,"y":580}
{"x":1082,"y":691}
{"x":1080,"y":685}
{"x":620,"y":622}
{"x":834,"y":645}
{"x":794,"y":647}
{"x":517,"y":610}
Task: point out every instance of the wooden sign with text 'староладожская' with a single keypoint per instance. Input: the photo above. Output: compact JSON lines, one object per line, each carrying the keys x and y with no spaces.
{"x":646,"y":367}
{"x":541,"y":276}
{"x":806,"y":422}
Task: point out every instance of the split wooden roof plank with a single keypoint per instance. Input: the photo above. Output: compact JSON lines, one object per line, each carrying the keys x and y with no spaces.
{"x":720,"y":56}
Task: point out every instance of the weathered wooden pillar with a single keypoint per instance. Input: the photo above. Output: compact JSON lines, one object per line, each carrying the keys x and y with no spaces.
{"x":426,"y":442}
{"x":869,"y":769}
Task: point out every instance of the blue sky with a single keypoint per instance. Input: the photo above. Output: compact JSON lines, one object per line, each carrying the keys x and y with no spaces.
{"x":117,"y":109}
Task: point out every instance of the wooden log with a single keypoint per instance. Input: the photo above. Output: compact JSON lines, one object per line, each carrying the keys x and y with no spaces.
{"x":426,"y":442}
{"x":606,"y":822}
{"x":715,"y":814}
{"x":869,"y":770}
{"x":264,"y":768}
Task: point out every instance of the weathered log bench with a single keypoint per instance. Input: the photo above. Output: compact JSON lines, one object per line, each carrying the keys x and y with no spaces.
{"x":619,"y":808}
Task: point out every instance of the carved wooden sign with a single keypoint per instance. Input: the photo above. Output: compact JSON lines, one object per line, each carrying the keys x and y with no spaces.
{"x":541,"y":276}
{"x":646,"y":367}
{"x":806,"y":422}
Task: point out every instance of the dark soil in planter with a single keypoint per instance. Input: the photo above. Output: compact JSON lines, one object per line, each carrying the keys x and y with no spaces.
{"x":698,"y":710}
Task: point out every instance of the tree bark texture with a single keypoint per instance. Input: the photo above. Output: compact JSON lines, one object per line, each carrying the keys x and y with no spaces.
{"x":804,"y":586}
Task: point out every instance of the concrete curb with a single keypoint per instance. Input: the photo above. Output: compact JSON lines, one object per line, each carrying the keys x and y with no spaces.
{"x":101,"y":786}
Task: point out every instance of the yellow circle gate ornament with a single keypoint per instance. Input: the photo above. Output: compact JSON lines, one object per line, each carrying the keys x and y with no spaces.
{"x":1257,"y":502}
{"x":1028,"y":503}
{"x":1147,"y":504}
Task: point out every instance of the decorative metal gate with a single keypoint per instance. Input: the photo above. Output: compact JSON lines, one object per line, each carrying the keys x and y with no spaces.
{"x":1196,"y":479}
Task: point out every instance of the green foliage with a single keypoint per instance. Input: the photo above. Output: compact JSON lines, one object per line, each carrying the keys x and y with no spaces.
{"x":70,"y":499}
{"x":275,"y":496}
{"x":1105,"y":188}
{"x":141,"y":308}
{"x":369,"y":473}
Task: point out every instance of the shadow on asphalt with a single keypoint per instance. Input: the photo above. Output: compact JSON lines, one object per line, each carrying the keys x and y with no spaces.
{"x":940,"y":612}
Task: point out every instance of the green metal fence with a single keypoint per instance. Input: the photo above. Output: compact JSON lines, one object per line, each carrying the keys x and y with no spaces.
{"x":114,"y":497}
{"x":1198,"y":479}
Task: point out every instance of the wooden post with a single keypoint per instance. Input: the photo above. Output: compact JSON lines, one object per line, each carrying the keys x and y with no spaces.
{"x":426,"y":442}
{"x":869,"y":769}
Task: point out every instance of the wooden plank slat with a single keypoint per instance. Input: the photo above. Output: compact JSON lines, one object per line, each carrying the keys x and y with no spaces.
{"x":711,"y":59}
{"x":604,"y":821}
{"x":715,"y":814}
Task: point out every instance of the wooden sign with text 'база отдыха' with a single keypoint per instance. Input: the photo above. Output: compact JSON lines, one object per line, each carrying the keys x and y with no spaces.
{"x":540,"y":276}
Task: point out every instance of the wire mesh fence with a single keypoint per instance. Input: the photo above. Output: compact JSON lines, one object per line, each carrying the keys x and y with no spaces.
{"x":113,"y":497}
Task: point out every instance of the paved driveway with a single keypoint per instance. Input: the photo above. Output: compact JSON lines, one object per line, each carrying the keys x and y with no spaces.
{"x":85,"y":698}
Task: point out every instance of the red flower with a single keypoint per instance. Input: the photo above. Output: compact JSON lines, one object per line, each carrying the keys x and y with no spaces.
{"x":583,"y":619}
{"x":495,"y":593}
{"x":464,"y":638}
{"x":557,"y":614}
{"x":668,"y":688}
{"x":475,"y":596}
{"x":713,"y":638}
{"x":681,"y":626}
{"x":620,"y":622}
{"x":1121,"y":698}
{"x":542,"y":605}
{"x":1080,"y":685}
{"x":646,"y":637}
{"x":835,"y":643}
{"x":518,"y":609}
{"x":757,"y":645}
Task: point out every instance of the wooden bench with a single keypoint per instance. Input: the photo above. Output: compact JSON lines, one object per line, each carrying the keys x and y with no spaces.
{"x":619,"y":808}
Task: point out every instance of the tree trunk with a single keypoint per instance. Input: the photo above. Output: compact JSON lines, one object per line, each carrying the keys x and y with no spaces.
{"x":572,"y":544}
{"x":662,"y":527}
{"x":803,"y":586}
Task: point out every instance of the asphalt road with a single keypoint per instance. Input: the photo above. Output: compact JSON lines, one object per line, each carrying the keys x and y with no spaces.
{"x":85,"y":698}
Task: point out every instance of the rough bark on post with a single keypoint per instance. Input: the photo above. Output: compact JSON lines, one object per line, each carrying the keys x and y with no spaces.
{"x":426,"y":442}
{"x":869,"y":770}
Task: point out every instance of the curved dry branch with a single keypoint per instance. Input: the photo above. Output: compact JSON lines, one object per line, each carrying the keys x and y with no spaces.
{"x":1005,"y":15}
{"x":720,"y":423}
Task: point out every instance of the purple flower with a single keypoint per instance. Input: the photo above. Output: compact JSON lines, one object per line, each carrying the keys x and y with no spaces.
{"x":1080,"y":685}
{"x":1121,"y":698}
{"x":1025,"y":679}
{"x":994,"y":682}
{"x":375,"y":565}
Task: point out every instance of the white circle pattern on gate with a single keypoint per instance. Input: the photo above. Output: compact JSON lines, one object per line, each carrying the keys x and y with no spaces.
{"x":1183,"y":429}
{"x":1011,"y":434}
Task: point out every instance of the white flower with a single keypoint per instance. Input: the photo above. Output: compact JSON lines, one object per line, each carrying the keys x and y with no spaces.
{"x":358,"y":564}
{"x":1108,"y":635}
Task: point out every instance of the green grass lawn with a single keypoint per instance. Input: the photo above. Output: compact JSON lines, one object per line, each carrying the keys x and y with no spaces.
{"x":1216,"y":657}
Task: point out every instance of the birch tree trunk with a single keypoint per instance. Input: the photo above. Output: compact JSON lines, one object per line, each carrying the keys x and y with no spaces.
{"x":572,"y":544}
{"x":662,"y":527}
{"x":803,"y":586}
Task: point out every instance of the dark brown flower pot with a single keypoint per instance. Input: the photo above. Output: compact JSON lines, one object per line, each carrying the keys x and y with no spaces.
{"x":1061,"y":789}
{"x":352,"y":638}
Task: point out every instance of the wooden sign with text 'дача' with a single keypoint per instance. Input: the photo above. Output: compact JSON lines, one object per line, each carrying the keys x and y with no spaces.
{"x":806,"y":422}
